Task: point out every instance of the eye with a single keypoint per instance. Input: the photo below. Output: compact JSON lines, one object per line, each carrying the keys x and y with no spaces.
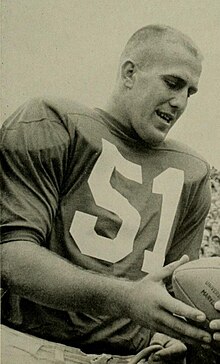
{"x":172,"y":84}
{"x":178,"y":84}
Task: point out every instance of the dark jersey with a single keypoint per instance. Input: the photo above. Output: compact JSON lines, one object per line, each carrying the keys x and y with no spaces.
{"x":80,"y":184}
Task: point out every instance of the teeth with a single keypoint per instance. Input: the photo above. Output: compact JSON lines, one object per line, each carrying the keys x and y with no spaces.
{"x":164,"y":116}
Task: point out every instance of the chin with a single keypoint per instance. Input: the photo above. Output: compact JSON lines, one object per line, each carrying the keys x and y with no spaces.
{"x":154,"y":142}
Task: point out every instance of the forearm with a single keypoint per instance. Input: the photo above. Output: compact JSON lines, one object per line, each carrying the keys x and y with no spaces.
{"x":45,"y":278}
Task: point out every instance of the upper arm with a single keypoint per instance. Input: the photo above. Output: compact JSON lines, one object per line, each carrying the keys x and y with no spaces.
{"x":34,"y":153}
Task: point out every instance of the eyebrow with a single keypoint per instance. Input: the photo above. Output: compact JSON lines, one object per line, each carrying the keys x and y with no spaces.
{"x":181,"y":80}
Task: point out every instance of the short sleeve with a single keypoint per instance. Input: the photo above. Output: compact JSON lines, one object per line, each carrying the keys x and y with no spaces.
{"x":34,"y":158}
{"x":188,"y":236}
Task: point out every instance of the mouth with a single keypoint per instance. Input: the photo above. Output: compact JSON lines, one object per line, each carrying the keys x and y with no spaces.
{"x":165,"y":116}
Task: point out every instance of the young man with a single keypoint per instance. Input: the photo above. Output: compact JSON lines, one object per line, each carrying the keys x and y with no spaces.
{"x":96,"y":202}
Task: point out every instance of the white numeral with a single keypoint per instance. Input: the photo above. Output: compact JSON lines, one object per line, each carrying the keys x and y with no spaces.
{"x":82,"y":228}
{"x":169,"y":184}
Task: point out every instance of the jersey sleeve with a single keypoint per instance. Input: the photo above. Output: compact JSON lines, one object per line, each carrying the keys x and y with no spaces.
{"x":34,"y":155}
{"x":188,"y":236}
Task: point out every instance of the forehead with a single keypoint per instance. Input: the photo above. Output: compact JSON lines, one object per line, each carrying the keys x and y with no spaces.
{"x":173,"y":56}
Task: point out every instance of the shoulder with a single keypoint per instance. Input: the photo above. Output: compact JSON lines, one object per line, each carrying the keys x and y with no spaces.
{"x":194,"y":164}
{"x":52,"y":109}
{"x":42,"y":122}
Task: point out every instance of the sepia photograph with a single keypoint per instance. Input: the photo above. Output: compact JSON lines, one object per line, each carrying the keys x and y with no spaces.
{"x":110,"y":181}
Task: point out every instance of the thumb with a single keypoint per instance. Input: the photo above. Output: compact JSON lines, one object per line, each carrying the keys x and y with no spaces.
{"x":169,"y":269}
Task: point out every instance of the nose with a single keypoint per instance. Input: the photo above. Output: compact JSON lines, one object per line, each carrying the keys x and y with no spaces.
{"x":179,"y":100}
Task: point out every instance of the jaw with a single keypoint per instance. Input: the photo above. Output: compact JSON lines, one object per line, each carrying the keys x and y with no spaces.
{"x":161,"y":123}
{"x":155,"y":132}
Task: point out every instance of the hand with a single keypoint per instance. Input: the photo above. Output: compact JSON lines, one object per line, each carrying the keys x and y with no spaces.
{"x":150,"y":305}
{"x":215,"y":326}
{"x":172,"y":349}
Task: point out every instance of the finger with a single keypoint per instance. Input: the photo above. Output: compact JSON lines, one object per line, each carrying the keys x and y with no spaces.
{"x":160,"y":339}
{"x":180,"y":308}
{"x":170,"y":346}
{"x":172,"y":351}
{"x":215,"y":325}
{"x":180,"y":329}
{"x":216,"y":336}
{"x":144,"y":354}
{"x":217,"y":305}
{"x":183,"y":337}
{"x":169,"y":269}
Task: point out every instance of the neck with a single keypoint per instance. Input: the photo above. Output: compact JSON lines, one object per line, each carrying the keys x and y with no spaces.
{"x":115,"y":107}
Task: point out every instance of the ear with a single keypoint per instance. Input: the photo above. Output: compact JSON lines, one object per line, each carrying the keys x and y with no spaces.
{"x":128,"y":71}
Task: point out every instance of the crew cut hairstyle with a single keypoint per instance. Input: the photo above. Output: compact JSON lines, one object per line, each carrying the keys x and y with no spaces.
{"x":154,"y":32}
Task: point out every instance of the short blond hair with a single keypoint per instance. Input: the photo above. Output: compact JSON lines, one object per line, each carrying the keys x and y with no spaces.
{"x":141,"y":41}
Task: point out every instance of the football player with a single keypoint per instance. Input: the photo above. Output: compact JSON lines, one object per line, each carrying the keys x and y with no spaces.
{"x":99,"y":208}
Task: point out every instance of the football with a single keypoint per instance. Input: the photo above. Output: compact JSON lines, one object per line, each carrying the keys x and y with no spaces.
{"x":197,"y":283}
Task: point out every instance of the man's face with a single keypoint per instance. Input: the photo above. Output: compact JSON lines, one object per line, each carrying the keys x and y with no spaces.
{"x":160,"y":91}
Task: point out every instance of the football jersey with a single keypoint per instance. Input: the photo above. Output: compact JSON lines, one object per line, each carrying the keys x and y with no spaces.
{"x":81,"y":184}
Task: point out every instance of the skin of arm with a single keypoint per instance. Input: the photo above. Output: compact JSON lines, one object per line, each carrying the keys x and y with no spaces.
{"x":42,"y":276}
